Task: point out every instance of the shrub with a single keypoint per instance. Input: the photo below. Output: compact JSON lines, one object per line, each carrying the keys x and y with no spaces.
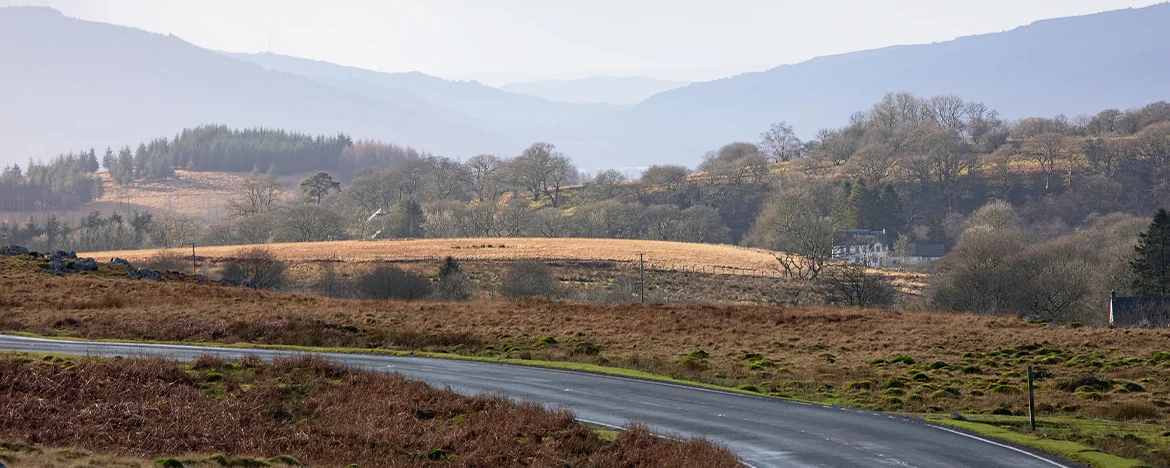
{"x":548,"y":340}
{"x":528,"y":279}
{"x":168,"y":463}
{"x":391,"y":282}
{"x":856,"y":286}
{"x":453,"y":283}
{"x":168,"y":260}
{"x":936,"y":365}
{"x":258,"y":265}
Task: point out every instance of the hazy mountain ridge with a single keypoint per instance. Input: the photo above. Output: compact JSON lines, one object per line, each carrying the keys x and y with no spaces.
{"x":86,"y":84}
{"x":504,"y":111}
{"x":618,"y":90}
{"x":1067,"y":65}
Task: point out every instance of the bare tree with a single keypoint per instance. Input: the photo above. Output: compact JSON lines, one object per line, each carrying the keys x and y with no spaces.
{"x":309,"y":223}
{"x":513,"y":217}
{"x":873,"y":162}
{"x":448,"y":177}
{"x":796,"y":223}
{"x":1046,"y":149}
{"x":552,"y":222}
{"x":669,"y":176}
{"x":561,"y":172}
{"x":259,"y":194}
{"x":484,"y":175}
{"x":948,"y":112}
{"x":780,"y":142}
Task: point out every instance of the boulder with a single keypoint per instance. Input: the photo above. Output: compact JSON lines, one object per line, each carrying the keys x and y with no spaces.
{"x":85,"y":264}
{"x":122,"y":262}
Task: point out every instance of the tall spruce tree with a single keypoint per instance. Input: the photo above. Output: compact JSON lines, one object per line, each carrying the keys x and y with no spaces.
{"x":863,"y":202}
{"x":844,"y":216}
{"x":1151,"y":264}
{"x":888,"y":215}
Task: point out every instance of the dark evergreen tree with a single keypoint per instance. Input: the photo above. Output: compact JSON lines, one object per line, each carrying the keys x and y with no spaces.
{"x":844,"y":216}
{"x":862,"y":203}
{"x":888,"y":213}
{"x":1151,"y":264}
{"x":408,"y":220}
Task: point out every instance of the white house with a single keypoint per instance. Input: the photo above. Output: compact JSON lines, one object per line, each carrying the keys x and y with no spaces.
{"x":863,"y":247}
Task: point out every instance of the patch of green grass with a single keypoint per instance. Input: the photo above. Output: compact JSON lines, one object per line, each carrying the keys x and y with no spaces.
{"x":1070,"y":450}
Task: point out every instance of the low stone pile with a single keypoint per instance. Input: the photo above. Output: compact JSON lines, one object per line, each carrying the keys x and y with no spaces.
{"x":146,"y":273}
{"x":13,"y":250}
{"x":62,"y":263}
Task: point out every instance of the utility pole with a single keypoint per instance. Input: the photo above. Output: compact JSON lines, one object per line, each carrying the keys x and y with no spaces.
{"x":642,"y":282}
{"x":194,"y":268}
{"x":1031,"y":402}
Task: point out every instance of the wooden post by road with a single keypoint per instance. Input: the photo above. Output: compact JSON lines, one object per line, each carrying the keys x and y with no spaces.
{"x":1031,"y":402}
{"x":642,"y":282}
{"x":194,"y":268}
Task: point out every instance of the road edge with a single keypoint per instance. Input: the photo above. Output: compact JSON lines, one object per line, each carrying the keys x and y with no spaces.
{"x":1065,"y":449}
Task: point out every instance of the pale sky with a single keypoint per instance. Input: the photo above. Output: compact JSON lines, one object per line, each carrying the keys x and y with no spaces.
{"x":496,"y":41}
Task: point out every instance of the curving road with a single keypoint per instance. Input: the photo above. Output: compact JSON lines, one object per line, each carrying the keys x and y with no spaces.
{"x":761,"y":431}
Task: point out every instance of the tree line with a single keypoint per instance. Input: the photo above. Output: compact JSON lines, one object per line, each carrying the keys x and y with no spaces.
{"x":65,"y":182}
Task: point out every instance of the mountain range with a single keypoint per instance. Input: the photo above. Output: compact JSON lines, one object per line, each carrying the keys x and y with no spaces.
{"x":70,"y":84}
{"x":621,"y":90}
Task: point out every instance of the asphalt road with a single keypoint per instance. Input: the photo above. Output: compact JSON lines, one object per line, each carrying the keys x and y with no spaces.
{"x":763,"y":432}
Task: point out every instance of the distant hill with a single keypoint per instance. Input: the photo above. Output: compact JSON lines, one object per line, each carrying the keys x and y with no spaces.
{"x":621,"y":90}
{"x":1071,"y":65}
{"x":527,"y":117}
{"x":69,"y":84}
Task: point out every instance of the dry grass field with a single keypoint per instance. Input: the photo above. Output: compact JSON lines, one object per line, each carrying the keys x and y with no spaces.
{"x":909,"y":362}
{"x":201,"y":195}
{"x":667,"y":256}
{"x":294,"y":411}
{"x":659,"y":255}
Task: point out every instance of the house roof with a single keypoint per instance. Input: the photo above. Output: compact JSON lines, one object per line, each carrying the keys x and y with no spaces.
{"x":860,"y":237}
{"x":930,"y":250}
{"x":1141,"y":311}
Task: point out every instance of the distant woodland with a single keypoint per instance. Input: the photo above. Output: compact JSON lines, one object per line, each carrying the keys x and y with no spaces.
{"x":937,"y":170}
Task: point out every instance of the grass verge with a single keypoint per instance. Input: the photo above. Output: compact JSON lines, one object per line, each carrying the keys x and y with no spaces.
{"x":991,"y":427}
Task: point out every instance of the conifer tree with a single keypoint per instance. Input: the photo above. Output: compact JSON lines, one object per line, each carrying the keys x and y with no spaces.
{"x":1151,"y":264}
{"x":863,"y":202}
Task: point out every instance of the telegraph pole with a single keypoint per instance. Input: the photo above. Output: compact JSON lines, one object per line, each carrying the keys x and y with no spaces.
{"x":194,"y":268}
{"x":642,"y":282}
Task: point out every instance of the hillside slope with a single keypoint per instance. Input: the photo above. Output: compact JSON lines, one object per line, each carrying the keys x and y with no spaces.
{"x":70,"y":84}
{"x":1072,"y":65}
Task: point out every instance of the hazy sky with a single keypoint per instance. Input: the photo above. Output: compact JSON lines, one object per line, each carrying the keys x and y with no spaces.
{"x":496,"y":41}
